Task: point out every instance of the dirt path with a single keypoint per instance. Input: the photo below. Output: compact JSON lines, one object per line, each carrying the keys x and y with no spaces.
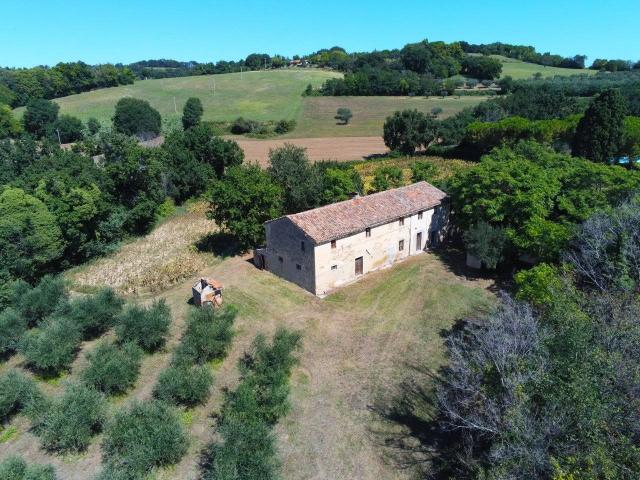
{"x":328,"y":148}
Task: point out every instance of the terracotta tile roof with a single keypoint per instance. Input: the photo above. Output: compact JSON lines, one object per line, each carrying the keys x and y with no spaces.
{"x":342,"y":219}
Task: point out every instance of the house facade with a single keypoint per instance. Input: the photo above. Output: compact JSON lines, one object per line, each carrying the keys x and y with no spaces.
{"x":327,"y":247}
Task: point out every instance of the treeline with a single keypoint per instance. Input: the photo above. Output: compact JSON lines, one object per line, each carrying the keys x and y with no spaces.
{"x":20,"y":85}
{"x":525,"y":53}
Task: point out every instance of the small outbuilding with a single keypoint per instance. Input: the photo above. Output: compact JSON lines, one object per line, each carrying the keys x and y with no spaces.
{"x":330,"y":246}
{"x":207,"y":292}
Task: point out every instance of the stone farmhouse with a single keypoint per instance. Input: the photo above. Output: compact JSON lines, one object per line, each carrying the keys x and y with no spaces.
{"x":327,"y":247}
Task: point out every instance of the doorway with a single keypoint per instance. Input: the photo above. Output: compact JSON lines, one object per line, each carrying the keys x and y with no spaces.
{"x":419,"y":241}
{"x":359,"y":265}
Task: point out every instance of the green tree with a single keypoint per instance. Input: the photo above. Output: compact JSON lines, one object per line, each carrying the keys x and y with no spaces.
{"x":39,"y":115}
{"x":301,"y":182}
{"x":339,"y":184}
{"x":66,"y":128}
{"x":344,"y":115}
{"x":15,"y":468}
{"x":93,"y":125}
{"x":136,"y":117}
{"x":387,"y":177}
{"x":600,"y":132}
{"x":146,"y":326}
{"x":183,"y":384}
{"x":30,"y":239}
{"x":423,"y":171}
{"x":10,"y":127}
{"x":243,"y":200}
{"x":192,"y":113}
{"x":113,"y":368}
{"x":486,"y":243}
{"x":409,"y":130}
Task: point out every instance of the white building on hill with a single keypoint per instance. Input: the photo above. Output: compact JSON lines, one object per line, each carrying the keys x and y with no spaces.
{"x":330,"y":246}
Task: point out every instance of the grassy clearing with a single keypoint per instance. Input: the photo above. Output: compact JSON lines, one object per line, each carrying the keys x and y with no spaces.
{"x":369,"y":113}
{"x":271,"y":95}
{"x":521,"y":70}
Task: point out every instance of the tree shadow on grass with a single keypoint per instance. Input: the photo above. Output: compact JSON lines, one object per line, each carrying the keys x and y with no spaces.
{"x":411,"y":432}
{"x":220,"y":244}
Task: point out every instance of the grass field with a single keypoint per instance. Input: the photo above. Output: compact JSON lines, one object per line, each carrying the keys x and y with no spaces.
{"x":357,"y":344}
{"x":369,"y":113}
{"x":521,"y":70}
{"x":258,"y":95}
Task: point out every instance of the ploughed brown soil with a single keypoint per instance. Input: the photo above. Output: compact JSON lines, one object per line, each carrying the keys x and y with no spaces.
{"x":327,"y":148}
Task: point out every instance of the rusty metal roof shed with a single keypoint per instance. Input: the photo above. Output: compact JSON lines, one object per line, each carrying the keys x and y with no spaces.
{"x":342,"y":219}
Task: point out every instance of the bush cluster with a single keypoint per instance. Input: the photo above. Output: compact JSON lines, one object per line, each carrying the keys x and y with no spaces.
{"x":71,"y":421}
{"x":95,"y":314}
{"x":15,"y":468}
{"x":183,"y":384}
{"x":249,"y":412}
{"x":207,"y":336}
{"x":113,"y":368}
{"x":144,"y":436}
{"x":148,"y":327}
{"x":19,"y":393}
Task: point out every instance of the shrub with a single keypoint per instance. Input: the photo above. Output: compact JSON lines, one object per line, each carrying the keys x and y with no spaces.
{"x":12,"y":327}
{"x":18,"y":393}
{"x":423,"y":171}
{"x":51,"y":348}
{"x":284,"y":126}
{"x":539,"y":284}
{"x":93,"y":125}
{"x":248,"y":452}
{"x":15,"y":468}
{"x":136,"y":117}
{"x":113,"y":368}
{"x":184,"y":385}
{"x":95,"y":314}
{"x":387,"y":177}
{"x":147,"y":327}
{"x":435,"y":111}
{"x":486,"y":243}
{"x":72,"y":420}
{"x":207,"y":336}
{"x":37,"y":303}
{"x":144,"y":436}
{"x":241,"y":126}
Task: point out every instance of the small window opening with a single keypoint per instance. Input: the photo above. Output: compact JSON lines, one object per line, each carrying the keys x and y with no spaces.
{"x":401,"y":221}
{"x":298,"y":266}
{"x":368,"y":232}
{"x":333,"y":244}
{"x":420,"y":215}
{"x":280,"y":259}
{"x":401,"y":245}
{"x":334,"y":267}
{"x":302,"y":245}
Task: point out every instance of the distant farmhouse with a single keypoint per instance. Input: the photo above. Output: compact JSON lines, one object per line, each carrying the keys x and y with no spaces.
{"x":330,"y":246}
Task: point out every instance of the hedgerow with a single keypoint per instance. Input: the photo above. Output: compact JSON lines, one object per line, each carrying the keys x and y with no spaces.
{"x":248,"y":414}
{"x":207,"y":336}
{"x":113,"y":368}
{"x":71,"y":420}
{"x":51,"y":348}
{"x":15,"y":468}
{"x":184,"y":385}
{"x":144,"y":436}
{"x":147,"y":327}
{"x":18,"y":393}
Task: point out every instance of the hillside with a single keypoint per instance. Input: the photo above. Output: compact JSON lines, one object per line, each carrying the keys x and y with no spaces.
{"x":520,"y":70}
{"x":257,"y":95}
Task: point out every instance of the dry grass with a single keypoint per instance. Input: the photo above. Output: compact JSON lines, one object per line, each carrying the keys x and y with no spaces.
{"x":155,"y":262}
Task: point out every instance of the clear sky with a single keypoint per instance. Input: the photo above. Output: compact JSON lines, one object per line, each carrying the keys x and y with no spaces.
{"x":37,"y":32}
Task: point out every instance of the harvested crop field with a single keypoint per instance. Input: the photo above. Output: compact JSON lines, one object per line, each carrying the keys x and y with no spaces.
{"x":332,"y":148}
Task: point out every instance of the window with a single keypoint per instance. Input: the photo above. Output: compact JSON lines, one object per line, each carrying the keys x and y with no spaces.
{"x":420,"y":215}
{"x":298,"y":266}
{"x":401,"y":245}
{"x":333,"y":244}
{"x":334,"y":267}
{"x":302,"y":247}
{"x":401,"y":221}
{"x":368,"y":232}
{"x":280,"y":259}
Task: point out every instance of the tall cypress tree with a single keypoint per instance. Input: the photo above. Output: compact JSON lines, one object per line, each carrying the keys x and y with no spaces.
{"x":600,"y":131}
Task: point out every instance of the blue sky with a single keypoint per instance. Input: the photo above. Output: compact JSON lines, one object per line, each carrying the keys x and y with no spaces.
{"x":45,"y":32}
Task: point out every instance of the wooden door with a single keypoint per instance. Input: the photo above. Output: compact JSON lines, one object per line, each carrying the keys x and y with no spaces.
{"x":359,"y":265}
{"x":419,"y":241}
